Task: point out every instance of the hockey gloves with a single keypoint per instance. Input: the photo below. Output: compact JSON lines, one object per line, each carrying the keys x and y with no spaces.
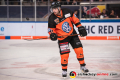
{"x":53,"y":36}
{"x":82,"y":31}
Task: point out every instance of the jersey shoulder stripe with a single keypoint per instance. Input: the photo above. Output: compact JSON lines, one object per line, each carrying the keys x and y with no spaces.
{"x":67,"y":11}
{"x":51,"y":23}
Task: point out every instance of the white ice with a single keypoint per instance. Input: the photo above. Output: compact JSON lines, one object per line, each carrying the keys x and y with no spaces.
{"x":40,"y":60}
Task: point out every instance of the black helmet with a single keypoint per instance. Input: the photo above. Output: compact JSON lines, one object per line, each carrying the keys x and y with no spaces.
{"x":55,"y":5}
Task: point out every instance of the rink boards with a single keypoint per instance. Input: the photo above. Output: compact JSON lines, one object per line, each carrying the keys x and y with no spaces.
{"x":96,"y":29}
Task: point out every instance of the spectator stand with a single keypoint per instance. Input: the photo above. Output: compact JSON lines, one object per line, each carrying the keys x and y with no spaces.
{"x":93,"y":10}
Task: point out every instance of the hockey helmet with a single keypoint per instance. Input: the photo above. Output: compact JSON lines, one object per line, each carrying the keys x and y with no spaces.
{"x":55,"y":4}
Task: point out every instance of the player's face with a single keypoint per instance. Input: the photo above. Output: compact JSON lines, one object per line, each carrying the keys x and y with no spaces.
{"x":55,"y":11}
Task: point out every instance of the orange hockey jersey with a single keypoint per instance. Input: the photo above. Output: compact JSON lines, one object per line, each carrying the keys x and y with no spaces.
{"x":63,"y":25}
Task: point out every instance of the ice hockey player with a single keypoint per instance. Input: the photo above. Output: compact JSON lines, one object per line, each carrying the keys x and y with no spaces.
{"x":60,"y":23}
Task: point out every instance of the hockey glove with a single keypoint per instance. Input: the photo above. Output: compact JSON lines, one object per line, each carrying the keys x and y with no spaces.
{"x":53,"y":36}
{"x":82,"y":31}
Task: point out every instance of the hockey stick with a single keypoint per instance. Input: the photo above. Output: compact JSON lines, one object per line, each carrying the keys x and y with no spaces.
{"x":68,"y":35}
{"x":49,"y":37}
{"x":37,"y":39}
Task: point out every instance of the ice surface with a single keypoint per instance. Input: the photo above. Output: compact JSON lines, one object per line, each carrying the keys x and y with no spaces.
{"x":40,"y":60}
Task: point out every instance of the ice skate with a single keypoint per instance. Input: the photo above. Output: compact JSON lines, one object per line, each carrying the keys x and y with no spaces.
{"x":84,"y":69}
{"x":64,"y":74}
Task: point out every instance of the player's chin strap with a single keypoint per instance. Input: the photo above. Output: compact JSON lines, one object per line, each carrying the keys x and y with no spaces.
{"x":58,"y":9}
{"x":51,"y":10}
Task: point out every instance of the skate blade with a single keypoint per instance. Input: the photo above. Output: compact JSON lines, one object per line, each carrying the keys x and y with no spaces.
{"x":64,"y":78}
{"x":84,"y":71}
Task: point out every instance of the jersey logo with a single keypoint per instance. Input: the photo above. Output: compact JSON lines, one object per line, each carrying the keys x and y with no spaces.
{"x":75,"y":15}
{"x":67,"y":15}
{"x":49,"y":30}
{"x":65,"y":27}
{"x":57,"y":20}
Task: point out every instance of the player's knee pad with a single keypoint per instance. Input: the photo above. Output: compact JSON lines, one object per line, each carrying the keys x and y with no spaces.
{"x":80,"y":55}
{"x":64,"y":48}
{"x":79,"y":52}
{"x":64,"y":59}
